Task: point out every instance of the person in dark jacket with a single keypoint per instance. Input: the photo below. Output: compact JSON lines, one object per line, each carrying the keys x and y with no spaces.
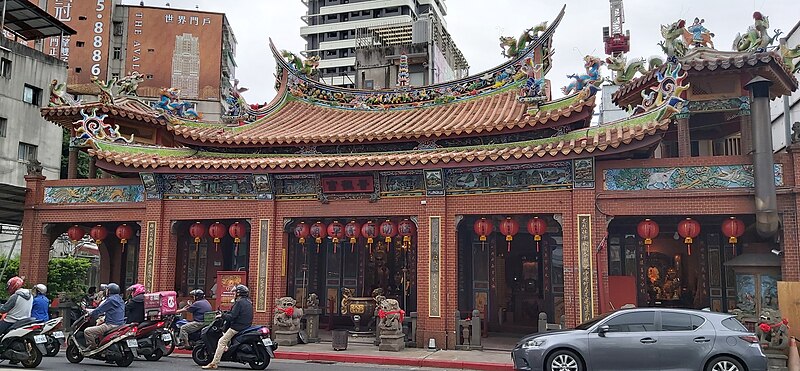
{"x":239,"y":318}
{"x":41,"y":303}
{"x":114,"y":310}
{"x":134,"y":308}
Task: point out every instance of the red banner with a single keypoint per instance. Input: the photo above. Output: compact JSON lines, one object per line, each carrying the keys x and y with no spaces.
{"x":226,"y":281}
{"x":350,"y":184}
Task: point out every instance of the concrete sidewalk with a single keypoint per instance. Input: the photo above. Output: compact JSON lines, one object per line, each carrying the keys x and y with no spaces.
{"x":415,"y":357}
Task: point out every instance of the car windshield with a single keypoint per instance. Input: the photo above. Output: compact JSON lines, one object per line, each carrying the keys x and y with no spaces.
{"x":586,"y":325}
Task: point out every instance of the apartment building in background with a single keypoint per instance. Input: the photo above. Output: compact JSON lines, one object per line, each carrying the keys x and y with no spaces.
{"x":331,"y":33}
{"x":192,"y":50}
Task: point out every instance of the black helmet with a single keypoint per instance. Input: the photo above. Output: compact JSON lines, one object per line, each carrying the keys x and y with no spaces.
{"x":197,"y":294}
{"x":113,"y":288}
{"x":242,"y":290}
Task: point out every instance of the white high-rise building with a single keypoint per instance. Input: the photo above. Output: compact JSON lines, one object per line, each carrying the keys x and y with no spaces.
{"x":186,"y":65}
{"x":331,"y":30}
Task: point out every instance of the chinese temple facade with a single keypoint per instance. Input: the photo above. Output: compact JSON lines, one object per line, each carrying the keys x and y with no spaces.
{"x":482,"y":193}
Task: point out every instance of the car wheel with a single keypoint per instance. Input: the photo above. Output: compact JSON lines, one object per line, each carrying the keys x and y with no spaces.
{"x":724,"y":364}
{"x":563,"y":360}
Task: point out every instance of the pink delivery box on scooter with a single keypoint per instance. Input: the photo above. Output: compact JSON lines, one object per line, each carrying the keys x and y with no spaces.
{"x":160,"y":303}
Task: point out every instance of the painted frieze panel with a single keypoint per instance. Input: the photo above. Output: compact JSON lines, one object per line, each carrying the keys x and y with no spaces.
{"x":207,"y":186}
{"x":297,"y":186}
{"x":689,"y":177}
{"x":528,"y":177}
{"x":434,"y":182}
{"x":94,"y":194}
{"x":150,"y":183}
{"x":583,"y":173}
{"x":402,"y":183}
{"x":741,"y":104}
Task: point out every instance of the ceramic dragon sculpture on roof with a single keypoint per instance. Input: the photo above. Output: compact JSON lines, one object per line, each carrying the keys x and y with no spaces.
{"x":789,"y":56}
{"x":757,"y":37}
{"x":591,"y":77}
{"x":625,"y":71}
{"x":307,"y":67}
{"x":513,"y":48}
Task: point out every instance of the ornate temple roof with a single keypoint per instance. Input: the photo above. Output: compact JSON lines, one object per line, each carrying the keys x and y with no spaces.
{"x":710,"y":60}
{"x":623,"y":135}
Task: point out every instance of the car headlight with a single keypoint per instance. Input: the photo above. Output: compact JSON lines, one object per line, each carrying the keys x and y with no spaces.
{"x":533,"y":343}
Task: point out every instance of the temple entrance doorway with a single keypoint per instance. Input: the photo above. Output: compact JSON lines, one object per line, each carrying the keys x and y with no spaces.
{"x":113,"y":248}
{"x":710,"y":272}
{"x":510,"y":281}
{"x":338,"y":264}
{"x":206,"y":247}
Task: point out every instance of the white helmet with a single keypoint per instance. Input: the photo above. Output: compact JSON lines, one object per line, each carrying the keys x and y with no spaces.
{"x":40,"y":288}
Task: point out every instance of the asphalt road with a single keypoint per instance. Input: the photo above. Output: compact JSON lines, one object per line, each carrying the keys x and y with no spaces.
{"x":184,"y":363}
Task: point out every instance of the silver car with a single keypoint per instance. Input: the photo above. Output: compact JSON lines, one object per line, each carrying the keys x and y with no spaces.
{"x":644,"y":339}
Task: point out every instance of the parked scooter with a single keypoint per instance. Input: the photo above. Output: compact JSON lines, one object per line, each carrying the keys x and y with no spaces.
{"x":55,"y":337}
{"x":251,"y":346}
{"x":24,"y":343}
{"x":174,"y":324}
{"x":151,"y":337}
{"x":117,"y":346}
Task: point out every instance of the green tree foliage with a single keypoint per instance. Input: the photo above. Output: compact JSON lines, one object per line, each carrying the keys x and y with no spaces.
{"x":11,"y":270}
{"x":83,"y":158}
{"x":67,"y":275}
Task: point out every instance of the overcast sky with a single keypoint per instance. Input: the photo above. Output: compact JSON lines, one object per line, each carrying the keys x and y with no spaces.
{"x":476,"y":25}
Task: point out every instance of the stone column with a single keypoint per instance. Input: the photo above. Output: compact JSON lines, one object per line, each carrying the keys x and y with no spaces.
{"x":72,"y":166}
{"x":92,"y":168}
{"x":747,"y":134}
{"x":684,"y":138}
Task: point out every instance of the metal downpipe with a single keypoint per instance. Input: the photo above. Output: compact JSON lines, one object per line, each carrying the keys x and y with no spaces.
{"x":767,"y":221}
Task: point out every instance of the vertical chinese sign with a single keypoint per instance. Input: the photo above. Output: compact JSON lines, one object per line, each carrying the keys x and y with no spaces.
{"x":86,"y":52}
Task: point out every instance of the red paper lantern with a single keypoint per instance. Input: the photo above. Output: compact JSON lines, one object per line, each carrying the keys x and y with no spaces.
{"x":537,"y":227}
{"x":352,"y":231}
{"x":483,"y":228}
{"x":302,"y":231}
{"x":689,"y":229}
{"x":336,"y":232}
{"x":406,"y":228}
{"x":388,"y":230}
{"x":733,"y":229}
{"x":197,"y":231}
{"x":75,"y":233}
{"x":318,"y":230}
{"x":509,"y":227}
{"x":370,"y":231}
{"x":237,"y":231}
{"x":217,"y":231}
{"x":648,"y":230}
{"x":124,"y":232}
{"x":98,"y":233}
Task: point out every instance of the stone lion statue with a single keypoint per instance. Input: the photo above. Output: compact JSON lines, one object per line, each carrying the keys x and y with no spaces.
{"x":773,"y":330}
{"x":286,"y":316}
{"x":312,"y":301}
{"x":391,"y":316}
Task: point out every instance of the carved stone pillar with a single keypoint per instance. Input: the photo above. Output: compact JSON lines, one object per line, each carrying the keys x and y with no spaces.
{"x":684,"y":138}
{"x":72,"y":165}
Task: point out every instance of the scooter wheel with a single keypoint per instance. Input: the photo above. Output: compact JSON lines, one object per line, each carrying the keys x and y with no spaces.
{"x":259,"y":365}
{"x":155,"y":356}
{"x":35,"y":358}
{"x":127,"y":359}
{"x":171,"y":345}
{"x":200,"y":355}
{"x":52,"y":346}
{"x":74,"y":354}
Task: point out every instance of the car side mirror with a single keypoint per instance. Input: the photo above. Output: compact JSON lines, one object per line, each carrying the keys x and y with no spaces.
{"x":602,"y":330}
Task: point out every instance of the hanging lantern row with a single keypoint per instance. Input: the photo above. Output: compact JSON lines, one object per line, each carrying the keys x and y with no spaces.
{"x":509,"y":228}
{"x":370,"y":231}
{"x":406,"y":229}
{"x":75,"y":233}
{"x":689,"y":229}
{"x":237,"y":231}
{"x":318,"y":231}
{"x":197,"y":231}
{"x":733,"y":229}
{"x":336,"y":231}
{"x":388,"y":230}
{"x":124,"y":232}
{"x":98,"y":233}
{"x":648,"y":230}
{"x":217,"y":231}
{"x":301,"y":232}
{"x":352,"y":231}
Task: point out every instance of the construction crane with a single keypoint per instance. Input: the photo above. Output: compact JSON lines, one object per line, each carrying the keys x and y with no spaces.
{"x":617,"y":41}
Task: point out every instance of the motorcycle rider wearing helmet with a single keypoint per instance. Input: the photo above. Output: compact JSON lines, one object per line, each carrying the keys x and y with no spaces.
{"x":198,"y":310}
{"x":18,"y":306}
{"x":40,"y":303}
{"x":239,"y":318}
{"x":134,"y":308}
{"x":114,"y":310}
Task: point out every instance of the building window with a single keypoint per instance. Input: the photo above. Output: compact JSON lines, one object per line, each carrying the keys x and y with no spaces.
{"x":115,"y":75}
{"x":5,"y":68}
{"x":80,"y":44}
{"x":149,"y":76}
{"x":78,"y":70}
{"x":117,"y":52}
{"x":32,"y":95}
{"x":3,"y":124}
{"x":27,"y":152}
{"x":369,"y":84}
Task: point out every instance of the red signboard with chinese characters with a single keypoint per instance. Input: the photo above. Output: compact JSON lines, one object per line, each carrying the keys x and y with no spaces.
{"x":86,"y":52}
{"x":226,"y":282}
{"x":349,"y":184}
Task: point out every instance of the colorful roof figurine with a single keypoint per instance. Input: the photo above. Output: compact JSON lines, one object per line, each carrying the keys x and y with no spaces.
{"x":502,"y":115}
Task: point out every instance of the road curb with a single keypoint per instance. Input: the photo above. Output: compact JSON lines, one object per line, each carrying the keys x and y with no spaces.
{"x":385,"y":361}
